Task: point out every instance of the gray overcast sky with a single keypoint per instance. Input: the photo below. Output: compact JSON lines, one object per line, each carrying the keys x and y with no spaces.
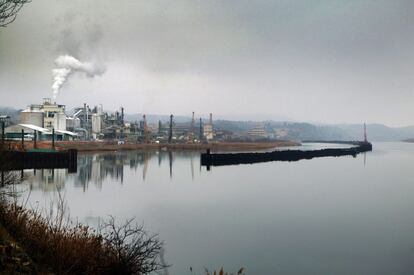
{"x":327,"y":61}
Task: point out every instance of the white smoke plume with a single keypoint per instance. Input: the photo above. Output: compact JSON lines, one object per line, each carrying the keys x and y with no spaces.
{"x":66,"y":65}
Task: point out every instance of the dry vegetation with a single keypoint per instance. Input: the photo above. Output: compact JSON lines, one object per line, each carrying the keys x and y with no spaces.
{"x":67,"y":248}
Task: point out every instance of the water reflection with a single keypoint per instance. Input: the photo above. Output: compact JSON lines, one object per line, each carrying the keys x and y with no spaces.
{"x":272,"y":218}
{"x":95,"y":168}
{"x":46,"y":179}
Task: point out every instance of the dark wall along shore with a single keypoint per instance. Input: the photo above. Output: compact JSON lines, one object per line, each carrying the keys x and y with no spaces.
{"x":208,"y":159}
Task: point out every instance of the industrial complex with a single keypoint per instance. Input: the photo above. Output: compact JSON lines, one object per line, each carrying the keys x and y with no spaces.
{"x":50,"y":120}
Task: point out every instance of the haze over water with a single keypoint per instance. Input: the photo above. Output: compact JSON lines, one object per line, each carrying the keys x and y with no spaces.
{"x":340,"y":215}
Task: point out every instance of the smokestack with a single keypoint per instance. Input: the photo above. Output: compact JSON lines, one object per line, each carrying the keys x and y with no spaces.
{"x":192,"y":125}
{"x":84,"y":116}
{"x":145,"y":129}
{"x":365,"y":133}
{"x":211,"y":118}
{"x":170,"y":132}
{"x":201,"y":130}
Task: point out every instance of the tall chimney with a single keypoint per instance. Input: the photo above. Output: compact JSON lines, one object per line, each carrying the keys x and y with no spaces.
{"x":200,"y":134}
{"x":145,"y":129}
{"x":85,"y":117}
{"x":365,"y":133}
{"x":211,"y":118}
{"x":170,"y":131}
{"x":192,"y":125}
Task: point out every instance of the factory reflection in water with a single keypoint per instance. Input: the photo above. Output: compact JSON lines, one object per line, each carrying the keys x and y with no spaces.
{"x":96,"y":168}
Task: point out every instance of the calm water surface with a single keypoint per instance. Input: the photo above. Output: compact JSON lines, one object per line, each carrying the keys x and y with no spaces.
{"x":322,"y":216}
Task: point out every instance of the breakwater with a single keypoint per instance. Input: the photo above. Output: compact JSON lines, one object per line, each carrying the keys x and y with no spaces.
{"x":208,"y":159}
{"x":20,"y":160}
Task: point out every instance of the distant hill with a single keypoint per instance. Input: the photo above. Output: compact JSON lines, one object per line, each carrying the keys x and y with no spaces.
{"x":299,"y":130}
{"x":308,"y":131}
{"x":378,"y":132}
{"x":291,"y":130}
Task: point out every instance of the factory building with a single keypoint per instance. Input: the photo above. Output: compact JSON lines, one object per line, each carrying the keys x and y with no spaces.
{"x":54,"y":116}
{"x":32,"y":115}
{"x":72,"y":124}
{"x":88,"y":123}
{"x":208,"y":130}
{"x":40,"y":120}
{"x":258,"y":132}
{"x":14,"y":132}
{"x":47,"y":115}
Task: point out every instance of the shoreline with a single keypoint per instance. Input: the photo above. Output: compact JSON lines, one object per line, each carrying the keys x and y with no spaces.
{"x":102,"y":146}
{"x":217,"y":146}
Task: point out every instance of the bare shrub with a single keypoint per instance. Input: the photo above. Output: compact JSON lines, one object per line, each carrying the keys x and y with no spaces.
{"x":137,"y":251}
{"x":64,"y":247}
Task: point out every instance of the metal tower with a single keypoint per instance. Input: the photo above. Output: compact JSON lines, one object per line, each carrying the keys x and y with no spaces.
{"x":145,"y":129}
{"x":122,"y":116}
{"x":200,"y":134}
{"x":192,"y":127}
{"x":171,"y":126}
{"x":365,"y":133}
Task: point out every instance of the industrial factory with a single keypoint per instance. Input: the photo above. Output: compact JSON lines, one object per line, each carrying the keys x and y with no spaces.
{"x":50,"y":120}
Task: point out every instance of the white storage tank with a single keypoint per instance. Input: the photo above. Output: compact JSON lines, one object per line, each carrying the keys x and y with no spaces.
{"x":96,"y":123}
{"x":33,"y":117}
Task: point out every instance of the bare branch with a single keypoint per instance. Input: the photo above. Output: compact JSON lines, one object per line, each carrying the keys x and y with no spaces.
{"x":137,"y":251}
{"x":9,"y":10}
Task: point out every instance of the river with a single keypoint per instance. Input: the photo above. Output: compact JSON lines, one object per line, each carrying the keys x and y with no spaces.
{"x":341,"y":215}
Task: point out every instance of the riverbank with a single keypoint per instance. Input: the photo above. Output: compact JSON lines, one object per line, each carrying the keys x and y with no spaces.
{"x":31,"y":243}
{"x":97,"y":146}
{"x":222,"y":146}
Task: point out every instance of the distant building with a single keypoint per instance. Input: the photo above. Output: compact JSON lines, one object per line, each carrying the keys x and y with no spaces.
{"x":30,"y":130}
{"x":33,"y":115}
{"x":54,"y":116}
{"x":258,"y":132}
{"x":47,"y":115}
{"x":281,"y":133}
{"x":208,"y":129}
{"x":72,"y":123}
